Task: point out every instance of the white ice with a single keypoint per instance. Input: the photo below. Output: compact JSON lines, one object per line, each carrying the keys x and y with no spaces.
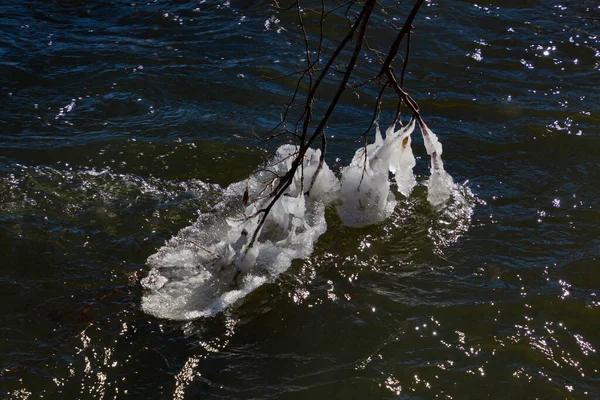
{"x":440,"y":184}
{"x":365,"y":196}
{"x":209,"y":265}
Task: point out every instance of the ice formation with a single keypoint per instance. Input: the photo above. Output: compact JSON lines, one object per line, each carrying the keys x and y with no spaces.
{"x":440,"y":184}
{"x":365,"y":189}
{"x":210,"y":265}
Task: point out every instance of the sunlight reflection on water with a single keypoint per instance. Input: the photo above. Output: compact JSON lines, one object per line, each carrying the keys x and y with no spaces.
{"x":112,"y":125}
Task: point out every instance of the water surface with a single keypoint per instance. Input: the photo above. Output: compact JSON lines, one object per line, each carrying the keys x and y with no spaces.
{"x":116,"y":118}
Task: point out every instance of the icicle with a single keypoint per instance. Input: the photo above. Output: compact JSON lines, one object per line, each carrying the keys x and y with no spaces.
{"x":389,"y":132}
{"x":430,"y":139}
{"x":439,"y":187}
{"x":403,"y":174}
{"x":278,"y":214}
{"x":387,"y":156}
{"x":372,"y":148}
{"x":403,"y":162}
{"x":378,"y":138}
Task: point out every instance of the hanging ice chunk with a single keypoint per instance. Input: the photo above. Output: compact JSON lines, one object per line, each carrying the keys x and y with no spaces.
{"x":279,"y":215}
{"x":395,"y":154}
{"x":298,"y":209}
{"x":430,"y":139}
{"x":359,"y":155}
{"x":387,"y":155}
{"x":439,"y":187}
{"x":365,"y":200}
{"x":365,"y":192}
{"x":325,"y":184}
{"x":403,"y":162}
{"x":364,"y":195}
{"x":289,"y":208}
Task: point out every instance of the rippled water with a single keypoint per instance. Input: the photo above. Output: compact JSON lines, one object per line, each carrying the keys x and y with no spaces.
{"x":119,"y":122}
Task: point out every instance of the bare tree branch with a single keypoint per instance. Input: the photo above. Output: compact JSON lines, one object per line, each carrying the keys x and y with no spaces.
{"x":343,"y":60}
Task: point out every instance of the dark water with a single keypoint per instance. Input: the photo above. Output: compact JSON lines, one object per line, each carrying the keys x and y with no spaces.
{"x":115,"y":115}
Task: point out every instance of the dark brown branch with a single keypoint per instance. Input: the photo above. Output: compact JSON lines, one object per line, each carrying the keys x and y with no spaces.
{"x":360,"y":24}
{"x":386,"y":77}
{"x":396,"y":44}
{"x":405,"y":63}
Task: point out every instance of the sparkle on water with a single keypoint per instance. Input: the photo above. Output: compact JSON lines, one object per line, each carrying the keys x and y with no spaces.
{"x":123,"y":123}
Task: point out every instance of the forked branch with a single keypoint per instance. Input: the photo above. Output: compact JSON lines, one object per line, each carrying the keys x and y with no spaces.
{"x":347,"y":53}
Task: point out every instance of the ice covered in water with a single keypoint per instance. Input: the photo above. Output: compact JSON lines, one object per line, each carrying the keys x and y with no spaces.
{"x":209,"y":266}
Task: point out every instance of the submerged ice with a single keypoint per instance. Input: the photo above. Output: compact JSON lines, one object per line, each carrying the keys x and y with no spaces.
{"x":215,"y":262}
